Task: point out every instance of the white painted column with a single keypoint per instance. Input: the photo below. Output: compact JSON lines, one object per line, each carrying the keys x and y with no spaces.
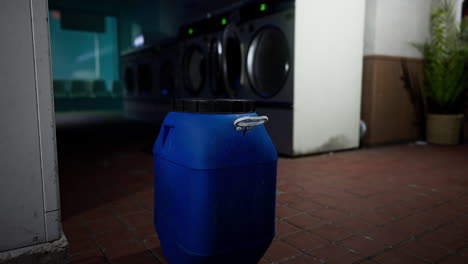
{"x":329,"y":43}
{"x":29,"y":189}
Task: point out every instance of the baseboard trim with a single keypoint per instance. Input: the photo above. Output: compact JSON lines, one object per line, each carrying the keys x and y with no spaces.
{"x":55,"y":252}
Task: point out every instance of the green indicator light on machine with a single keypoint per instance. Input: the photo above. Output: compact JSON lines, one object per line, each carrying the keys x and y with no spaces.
{"x":262,"y":7}
{"x":190,"y":31}
{"x":223,"y":21}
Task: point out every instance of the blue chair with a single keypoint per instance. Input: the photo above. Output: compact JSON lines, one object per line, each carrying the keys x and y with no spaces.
{"x":99,"y":89}
{"x":117,"y":90}
{"x":81,"y":88}
{"x":60,"y":90}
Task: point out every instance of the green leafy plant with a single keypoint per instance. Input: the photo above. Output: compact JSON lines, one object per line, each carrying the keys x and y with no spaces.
{"x":445,"y":61}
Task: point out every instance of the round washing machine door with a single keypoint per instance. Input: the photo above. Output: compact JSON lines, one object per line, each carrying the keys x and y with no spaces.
{"x":194,"y":69}
{"x":216,"y":69}
{"x":129,"y":80}
{"x":167,"y":81}
{"x":268,"y":61}
{"x":232,"y":60}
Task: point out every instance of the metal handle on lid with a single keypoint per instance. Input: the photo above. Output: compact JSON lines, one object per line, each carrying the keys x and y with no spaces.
{"x":247,"y":122}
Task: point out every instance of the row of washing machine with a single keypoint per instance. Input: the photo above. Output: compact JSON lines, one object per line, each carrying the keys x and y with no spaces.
{"x":243,"y":53}
{"x":246,"y":53}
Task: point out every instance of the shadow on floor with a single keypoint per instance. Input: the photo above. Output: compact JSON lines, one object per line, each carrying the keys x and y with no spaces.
{"x":102,"y":159}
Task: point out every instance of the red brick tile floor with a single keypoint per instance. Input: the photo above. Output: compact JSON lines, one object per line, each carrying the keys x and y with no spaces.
{"x":394,"y":204}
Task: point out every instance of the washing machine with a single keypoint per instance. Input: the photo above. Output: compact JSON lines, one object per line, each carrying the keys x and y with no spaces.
{"x":200,"y":57}
{"x":167,"y":73}
{"x":257,"y":63}
{"x":137,"y":69}
{"x":258,"y":53}
{"x":214,"y":36}
{"x":193,"y":61}
{"x":128,"y":71}
{"x":139,"y":79}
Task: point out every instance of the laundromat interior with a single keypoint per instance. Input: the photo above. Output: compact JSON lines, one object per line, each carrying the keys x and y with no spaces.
{"x":345,"y":90}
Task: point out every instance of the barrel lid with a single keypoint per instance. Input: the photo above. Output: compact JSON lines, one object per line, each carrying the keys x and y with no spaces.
{"x":214,"y":106}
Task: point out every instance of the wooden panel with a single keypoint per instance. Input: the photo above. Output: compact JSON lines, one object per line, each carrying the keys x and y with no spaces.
{"x":387,"y":108}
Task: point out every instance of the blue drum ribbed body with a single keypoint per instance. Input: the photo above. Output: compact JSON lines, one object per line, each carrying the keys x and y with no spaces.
{"x":215,"y":189}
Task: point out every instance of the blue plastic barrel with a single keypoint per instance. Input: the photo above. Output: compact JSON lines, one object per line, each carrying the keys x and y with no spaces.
{"x":215,"y":183}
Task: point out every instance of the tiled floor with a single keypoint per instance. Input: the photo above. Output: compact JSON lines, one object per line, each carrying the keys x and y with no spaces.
{"x":396,"y":204}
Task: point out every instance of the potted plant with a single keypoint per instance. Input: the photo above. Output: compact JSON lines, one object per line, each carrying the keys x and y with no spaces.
{"x":445,"y":74}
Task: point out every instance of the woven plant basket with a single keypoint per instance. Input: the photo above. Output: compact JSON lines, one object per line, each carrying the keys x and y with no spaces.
{"x":444,"y":129}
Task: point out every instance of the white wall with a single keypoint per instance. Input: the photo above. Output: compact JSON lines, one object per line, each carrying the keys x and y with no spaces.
{"x":458,"y":9}
{"x":29,"y":197}
{"x":329,"y":42}
{"x":392,"y":25}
